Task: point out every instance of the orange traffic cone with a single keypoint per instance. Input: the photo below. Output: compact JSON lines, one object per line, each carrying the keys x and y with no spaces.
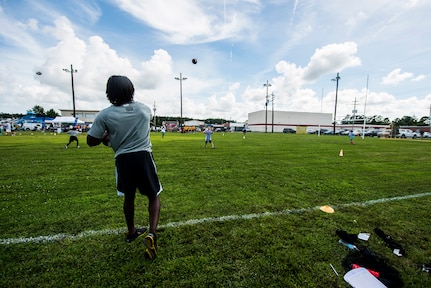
{"x":341,"y":153}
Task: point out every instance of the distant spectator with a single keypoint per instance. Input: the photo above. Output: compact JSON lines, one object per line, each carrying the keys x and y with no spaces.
{"x":208,"y":139}
{"x":8,"y":128}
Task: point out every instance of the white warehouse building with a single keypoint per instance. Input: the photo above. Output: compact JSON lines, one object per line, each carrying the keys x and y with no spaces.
{"x":266,"y":121}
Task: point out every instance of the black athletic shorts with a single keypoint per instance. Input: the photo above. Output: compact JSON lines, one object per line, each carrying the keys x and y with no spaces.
{"x":137,"y":170}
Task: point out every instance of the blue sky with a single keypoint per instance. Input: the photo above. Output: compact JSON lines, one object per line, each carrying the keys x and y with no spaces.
{"x":297,"y":46}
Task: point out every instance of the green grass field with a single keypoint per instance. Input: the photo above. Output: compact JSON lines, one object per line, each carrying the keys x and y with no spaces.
{"x":242,"y":215}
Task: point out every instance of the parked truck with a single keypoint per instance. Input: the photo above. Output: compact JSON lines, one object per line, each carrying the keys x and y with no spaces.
{"x":407,"y":133}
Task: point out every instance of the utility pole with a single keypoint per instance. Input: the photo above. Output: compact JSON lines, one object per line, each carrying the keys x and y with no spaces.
{"x":272,"y":94}
{"x":181,"y":78}
{"x":354,"y":113}
{"x":365,"y":109}
{"x":73,"y":88}
{"x":155,"y":117}
{"x":321,"y":108}
{"x":266,"y":105}
{"x":336,"y":98}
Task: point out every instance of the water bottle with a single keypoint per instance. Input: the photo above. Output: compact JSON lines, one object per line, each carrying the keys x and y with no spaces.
{"x":348,"y":245}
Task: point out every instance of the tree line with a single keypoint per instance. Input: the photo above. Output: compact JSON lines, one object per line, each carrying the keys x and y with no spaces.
{"x":38,"y":110}
{"x":379,"y":120}
{"x":348,"y":119}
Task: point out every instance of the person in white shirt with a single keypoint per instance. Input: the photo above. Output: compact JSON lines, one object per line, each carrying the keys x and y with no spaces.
{"x":73,"y":136}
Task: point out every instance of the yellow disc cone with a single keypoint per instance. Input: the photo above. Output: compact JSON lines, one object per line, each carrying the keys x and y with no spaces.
{"x":327,"y":209}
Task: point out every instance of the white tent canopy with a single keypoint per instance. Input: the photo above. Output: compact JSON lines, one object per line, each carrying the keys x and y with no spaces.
{"x":66,"y":120}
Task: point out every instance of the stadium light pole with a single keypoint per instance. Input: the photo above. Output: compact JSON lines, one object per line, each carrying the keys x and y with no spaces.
{"x":71,"y":71}
{"x":336,"y":97}
{"x":155,"y":117}
{"x":267,"y":85}
{"x":365,"y":109}
{"x":429,"y":118}
{"x":181,"y":78}
{"x":272,"y":94}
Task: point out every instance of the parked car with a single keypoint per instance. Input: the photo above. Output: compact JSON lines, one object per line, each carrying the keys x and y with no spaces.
{"x":426,"y":135}
{"x":371,"y":132}
{"x":356,"y":132}
{"x":337,"y":132}
{"x":345,"y":132}
{"x":407,"y":133}
{"x":329,"y":132}
{"x":384,"y":133}
{"x":317,"y":131}
{"x":289,"y":131}
{"x":31,"y":126}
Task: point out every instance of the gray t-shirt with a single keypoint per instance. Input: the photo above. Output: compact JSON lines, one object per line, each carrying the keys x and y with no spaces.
{"x":128,"y":127}
{"x":73,"y":132}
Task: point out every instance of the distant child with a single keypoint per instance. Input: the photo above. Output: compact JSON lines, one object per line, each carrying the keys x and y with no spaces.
{"x":351,"y":137}
{"x":73,"y":137}
{"x":208,"y":132}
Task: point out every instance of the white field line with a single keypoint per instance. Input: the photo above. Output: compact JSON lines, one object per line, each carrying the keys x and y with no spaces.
{"x":58,"y":237}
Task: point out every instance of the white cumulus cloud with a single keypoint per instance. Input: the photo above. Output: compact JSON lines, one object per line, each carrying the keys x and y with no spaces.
{"x":395,"y":77}
{"x":331,"y":58}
